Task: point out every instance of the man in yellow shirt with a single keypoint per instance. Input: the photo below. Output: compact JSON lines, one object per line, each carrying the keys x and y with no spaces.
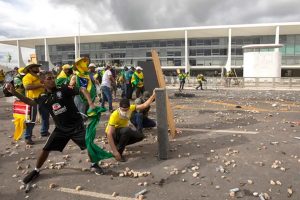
{"x":33,"y":89}
{"x":118,"y":133}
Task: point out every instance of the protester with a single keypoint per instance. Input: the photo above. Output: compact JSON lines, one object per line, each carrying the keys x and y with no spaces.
{"x":34,"y":88}
{"x":83,"y":80}
{"x":18,"y":81}
{"x":200,"y":79}
{"x":20,"y":109}
{"x":122,"y":82}
{"x":139,"y":118}
{"x":107,"y":81}
{"x":68,"y":122}
{"x":64,"y":77}
{"x":128,"y":75}
{"x":182,"y":76}
{"x":137,"y":81}
{"x":118,"y":133}
{"x":114,"y":87}
{"x":2,"y":76}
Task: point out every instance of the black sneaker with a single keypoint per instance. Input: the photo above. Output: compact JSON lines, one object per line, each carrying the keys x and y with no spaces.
{"x":32,"y":175}
{"x":97,"y":169}
{"x":29,"y":141}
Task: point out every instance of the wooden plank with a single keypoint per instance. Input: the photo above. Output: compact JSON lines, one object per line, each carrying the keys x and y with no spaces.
{"x":162,"y":84}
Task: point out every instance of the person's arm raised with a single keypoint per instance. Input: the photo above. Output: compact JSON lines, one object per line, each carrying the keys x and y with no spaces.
{"x":24,"y":99}
{"x":147,"y":103}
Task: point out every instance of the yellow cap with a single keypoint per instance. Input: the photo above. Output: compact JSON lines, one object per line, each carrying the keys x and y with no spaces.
{"x":21,"y":70}
{"x":67,"y":66}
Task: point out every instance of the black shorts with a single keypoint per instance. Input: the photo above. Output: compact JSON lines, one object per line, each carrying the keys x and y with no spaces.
{"x":59,"y":139}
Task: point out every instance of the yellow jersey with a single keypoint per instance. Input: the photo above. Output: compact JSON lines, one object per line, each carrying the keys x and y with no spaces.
{"x":29,"y":79}
{"x":117,"y":120}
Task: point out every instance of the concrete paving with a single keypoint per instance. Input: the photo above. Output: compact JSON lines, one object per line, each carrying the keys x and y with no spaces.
{"x":227,"y":139}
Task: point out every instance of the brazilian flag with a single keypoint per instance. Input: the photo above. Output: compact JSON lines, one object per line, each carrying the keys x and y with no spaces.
{"x":137,"y":79}
{"x":95,"y":152}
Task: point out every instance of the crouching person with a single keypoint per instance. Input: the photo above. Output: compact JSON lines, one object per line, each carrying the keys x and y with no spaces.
{"x":139,"y":118}
{"x":118,"y":132}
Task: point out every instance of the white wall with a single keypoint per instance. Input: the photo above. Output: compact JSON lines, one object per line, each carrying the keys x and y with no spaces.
{"x":262,"y":64}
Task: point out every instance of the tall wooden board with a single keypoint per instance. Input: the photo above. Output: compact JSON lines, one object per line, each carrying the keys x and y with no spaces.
{"x":162,"y":84}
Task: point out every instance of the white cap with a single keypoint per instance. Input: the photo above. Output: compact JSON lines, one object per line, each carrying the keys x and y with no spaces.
{"x":92,"y":65}
{"x":138,"y":68}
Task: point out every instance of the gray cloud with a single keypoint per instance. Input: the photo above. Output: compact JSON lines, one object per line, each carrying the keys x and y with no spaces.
{"x":144,"y":14}
{"x":116,"y":15}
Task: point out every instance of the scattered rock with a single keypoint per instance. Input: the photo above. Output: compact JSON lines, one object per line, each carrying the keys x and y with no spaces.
{"x":15,"y":176}
{"x":196,"y":174}
{"x":255,"y":194}
{"x":78,"y":188}
{"x":52,"y":185}
{"x":290,"y":192}
{"x":114,"y":194}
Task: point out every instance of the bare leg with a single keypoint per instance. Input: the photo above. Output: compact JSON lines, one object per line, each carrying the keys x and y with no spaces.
{"x":42,"y":158}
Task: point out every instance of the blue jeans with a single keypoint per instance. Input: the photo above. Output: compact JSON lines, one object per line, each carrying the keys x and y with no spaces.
{"x":106,"y":96}
{"x":81,"y":106}
{"x":140,"y":121}
{"x":45,"y":121}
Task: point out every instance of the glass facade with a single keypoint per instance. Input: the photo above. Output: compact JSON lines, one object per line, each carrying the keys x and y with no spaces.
{"x":201,"y":51}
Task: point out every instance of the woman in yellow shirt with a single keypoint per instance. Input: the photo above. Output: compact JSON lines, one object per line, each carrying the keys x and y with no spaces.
{"x":118,"y":133}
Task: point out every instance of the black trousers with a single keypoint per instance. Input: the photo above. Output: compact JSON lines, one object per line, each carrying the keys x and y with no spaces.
{"x":129,"y":91}
{"x":126,"y":136}
{"x":199,"y":86}
{"x":181,"y":85}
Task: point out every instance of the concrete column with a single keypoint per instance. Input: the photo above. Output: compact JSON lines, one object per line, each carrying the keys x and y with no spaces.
{"x":162,"y":123}
{"x":277,"y":38}
{"x":20,"y":58}
{"x":186,"y":57}
{"x":228,"y":64}
{"x":76,"y":47}
{"x":47,"y":56}
{"x":46,"y":49}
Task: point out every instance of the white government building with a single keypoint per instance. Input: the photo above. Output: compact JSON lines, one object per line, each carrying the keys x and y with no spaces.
{"x":263,"y":50}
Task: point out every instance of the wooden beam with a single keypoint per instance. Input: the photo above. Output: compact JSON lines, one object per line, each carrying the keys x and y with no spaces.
{"x":162,"y":84}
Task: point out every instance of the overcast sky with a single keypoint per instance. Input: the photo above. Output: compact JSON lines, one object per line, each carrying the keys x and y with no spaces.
{"x":29,"y":18}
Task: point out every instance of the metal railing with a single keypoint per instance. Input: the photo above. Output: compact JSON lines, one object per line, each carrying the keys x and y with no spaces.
{"x":238,"y":82}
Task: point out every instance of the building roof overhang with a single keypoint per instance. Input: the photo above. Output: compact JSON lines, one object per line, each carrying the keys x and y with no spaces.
{"x":170,"y":33}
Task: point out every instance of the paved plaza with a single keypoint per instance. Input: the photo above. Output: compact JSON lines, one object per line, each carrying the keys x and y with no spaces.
{"x":245,"y":139}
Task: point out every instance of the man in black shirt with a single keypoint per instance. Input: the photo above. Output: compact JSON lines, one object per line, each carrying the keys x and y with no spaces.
{"x":68,"y":121}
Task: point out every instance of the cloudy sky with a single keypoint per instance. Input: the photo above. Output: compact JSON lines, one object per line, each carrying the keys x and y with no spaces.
{"x":29,"y":18}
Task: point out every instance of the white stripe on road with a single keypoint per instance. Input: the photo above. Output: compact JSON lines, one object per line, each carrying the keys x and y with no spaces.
{"x":92,"y":194}
{"x":218,"y":131}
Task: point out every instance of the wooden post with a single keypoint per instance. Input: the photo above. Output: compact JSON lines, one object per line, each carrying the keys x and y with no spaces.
{"x":162,"y":84}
